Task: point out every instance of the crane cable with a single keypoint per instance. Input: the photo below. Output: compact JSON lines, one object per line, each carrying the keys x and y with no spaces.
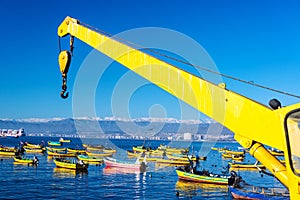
{"x":137,"y":46}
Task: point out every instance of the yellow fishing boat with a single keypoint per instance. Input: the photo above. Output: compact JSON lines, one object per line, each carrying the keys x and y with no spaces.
{"x":7,"y":153}
{"x":3,"y":148}
{"x":172,"y":150}
{"x":70,"y":164}
{"x":63,"y":140}
{"x":172,"y":162}
{"x":184,"y":157}
{"x":140,"y":149}
{"x":56,"y":149}
{"x":132,"y":154}
{"x":30,"y":150}
{"x":225,"y":155}
{"x":222,"y":149}
{"x":90,"y":159}
{"x":233,"y":156}
{"x":99,"y":154}
{"x":234,"y":152}
{"x":177,"y":151}
{"x":148,"y":159}
{"x":32,"y":146}
{"x":76,"y":150}
{"x":244,"y":166}
{"x":57,"y":154}
{"x":108,"y":150}
{"x":93,"y":147}
{"x":25,"y":160}
{"x":276,"y":153}
{"x":237,"y":158}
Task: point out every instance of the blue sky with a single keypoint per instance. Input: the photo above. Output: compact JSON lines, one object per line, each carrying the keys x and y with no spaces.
{"x":253,"y":40}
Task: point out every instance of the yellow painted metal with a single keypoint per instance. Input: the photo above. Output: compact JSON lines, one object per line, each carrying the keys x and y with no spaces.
{"x":64,"y":60}
{"x":268,"y":160}
{"x":249,"y":120}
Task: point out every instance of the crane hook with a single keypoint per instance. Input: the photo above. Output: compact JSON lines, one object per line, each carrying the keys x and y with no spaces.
{"x":64,"y":60}
{"x":64,"y":87}
{"x":63,"y":95}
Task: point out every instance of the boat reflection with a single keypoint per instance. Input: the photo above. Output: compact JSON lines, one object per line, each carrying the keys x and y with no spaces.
{"x":5,"y":158}
{"x":117,"y":170}
{"x":24,"y":164}
{"x":186,"y":188}
{"x":165,"y":166}
{"x":67,"y":173}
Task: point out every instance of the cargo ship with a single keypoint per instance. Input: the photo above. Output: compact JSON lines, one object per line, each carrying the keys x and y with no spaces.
{"x":12,"y":133}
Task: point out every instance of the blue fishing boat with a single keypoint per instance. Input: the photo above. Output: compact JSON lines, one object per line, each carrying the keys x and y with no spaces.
{"x":247,"y":191}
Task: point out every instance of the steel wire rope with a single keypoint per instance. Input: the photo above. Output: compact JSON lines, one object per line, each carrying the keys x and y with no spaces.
{"x":136,"y":46}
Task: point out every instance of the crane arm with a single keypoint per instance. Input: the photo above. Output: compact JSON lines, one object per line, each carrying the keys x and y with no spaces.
{"x":226,"y":107}
{"x":251,"y":122}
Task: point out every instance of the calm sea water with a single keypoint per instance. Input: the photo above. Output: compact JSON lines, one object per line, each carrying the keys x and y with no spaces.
{"x":48,"y":182}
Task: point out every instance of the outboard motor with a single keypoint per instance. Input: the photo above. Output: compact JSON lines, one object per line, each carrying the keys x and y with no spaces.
{"x":235,"y":180}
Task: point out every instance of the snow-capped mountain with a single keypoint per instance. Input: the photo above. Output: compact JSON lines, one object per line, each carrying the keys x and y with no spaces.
{"x":110,"y":125}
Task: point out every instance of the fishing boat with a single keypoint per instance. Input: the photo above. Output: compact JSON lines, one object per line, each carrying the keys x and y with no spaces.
{"x":7,"y":153}
{"x":238,"y":157}
{"x":76,"y":150}
{"x":33,"y":146}
{"x":233,"y":156}
{"x":53,"y":143}
{"x":206,"y":177}
{"x":59,"y":154}
{"x":220,"y":150}
{"x":234,"y":152}
{"x":172,"y":162}
{"x":157,"y":153}
{"x":141,"y":149}
{"x":93,"y":147}
{"x":109,"y":150}
{"x":215,"y":148}
{"x":137,"y":166}
{"x":254,"y":192}
{"x":33,"y":150}
{"x":149,"y":157}
{"x":276,"y":152}
{"x":90,"y":159}
{"x":26,"y":160}
{"x":57,"y":149}
{"x":185,"y":157}
{"x":245,"y":166}
{"x":132,"y":154}
{"x":99,"y":154}
{"x":70,"y":164}
{"x":173,"y":150}
{"x":64,"y":140}
{"x":4,"y":148}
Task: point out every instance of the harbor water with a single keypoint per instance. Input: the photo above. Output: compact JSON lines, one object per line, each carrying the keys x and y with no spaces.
{"x":45,"y":181}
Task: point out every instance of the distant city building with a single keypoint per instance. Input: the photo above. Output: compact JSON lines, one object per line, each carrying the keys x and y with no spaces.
{"x":187,"y":136}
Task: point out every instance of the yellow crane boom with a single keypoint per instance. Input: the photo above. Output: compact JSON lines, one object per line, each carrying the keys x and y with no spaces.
{"x":252,"y":123}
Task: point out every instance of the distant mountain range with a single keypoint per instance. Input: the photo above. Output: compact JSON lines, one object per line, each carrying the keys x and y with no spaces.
{"x":112,"y":125}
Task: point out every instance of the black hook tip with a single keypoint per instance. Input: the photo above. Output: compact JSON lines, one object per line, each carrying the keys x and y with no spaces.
{"x":63,"y":95}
